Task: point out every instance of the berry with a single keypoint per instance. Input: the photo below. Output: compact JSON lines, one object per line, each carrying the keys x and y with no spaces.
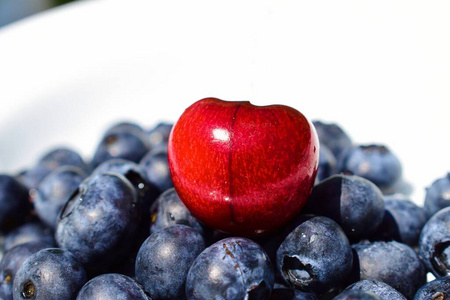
{"x":232,"y":268}
{"x":316,"y":256}
{"x":355,"y":203}
{"x":164,"y":259}
{"x":50,"y":273}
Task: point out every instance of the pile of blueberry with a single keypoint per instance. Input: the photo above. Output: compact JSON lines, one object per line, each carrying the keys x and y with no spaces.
{"x":115,"y":228}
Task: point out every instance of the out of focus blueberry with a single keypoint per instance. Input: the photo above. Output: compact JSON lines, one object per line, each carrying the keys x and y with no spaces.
{"x":355,"y":203}
{"x":14,"y":203}
{"x":11,"y":262}
{"x":232,"y":268}
{"x":393,"y":263}
{"x":33,"y":176}
{"x":327,"y":164}
{"x":120,"y":144}
{"x":334,"y":138}
{"x":164,"y":259}
{"x":50,"y":273}
{"x":100,"y":222}
{"x":62,"y":156}
{"x":169,"y":210}
{"x":316,"y":256}
{"x":54,"y":191}
{"x":129,"y":126}
{"x":376,"y":163}
{"x":156,"y":167}
{"x":112,"y":286}
{"x":158,"y":136}
{"x":28,"y":232}
{"x":437,"y":195}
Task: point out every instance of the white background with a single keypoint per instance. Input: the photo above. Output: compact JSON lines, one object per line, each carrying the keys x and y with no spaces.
{"x":380,"y":69}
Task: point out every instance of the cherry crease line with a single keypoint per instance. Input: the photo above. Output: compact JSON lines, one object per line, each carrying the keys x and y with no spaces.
{"x":230,"y":155}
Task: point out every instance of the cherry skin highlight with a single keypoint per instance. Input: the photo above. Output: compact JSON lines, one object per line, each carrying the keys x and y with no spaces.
{"x":241,"y":168}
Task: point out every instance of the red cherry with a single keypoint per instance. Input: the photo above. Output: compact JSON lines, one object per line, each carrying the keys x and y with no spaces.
{"x":241,"y":168}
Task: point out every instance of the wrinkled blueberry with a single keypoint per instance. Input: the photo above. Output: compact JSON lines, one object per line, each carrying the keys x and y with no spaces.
{"x":316,"y":256}
{"x":28,"y":232}
{"x":383,"y":290}
{"x":438,"y":289}
{"x":232,"y":268}
{"x":156,"y":167}
{"x":112,"y":286}
{"x":355,"y":203}
{"x":11,"y":262}
{"x":437,"y":195}
{"x":54,"y":191}
{"x":50,"y":273}
{"x":434,"y":243}
{"x":169,"y":210}
{"x":164,"y":259}
{"x":14,"y":203}
{"x":374,"y":162}
{"x":99,"y":222}
{"x":403,"y":221}
{"x":393,"y":263}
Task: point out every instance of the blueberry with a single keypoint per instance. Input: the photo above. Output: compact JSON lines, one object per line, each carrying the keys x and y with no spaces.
{"x":403,"y":220}
{"x":437,"y":195}
{"x":356,"y":295}
{"x":316,"y":256}
{"x":169,"y":210}
{"x":393,"y":263}
{"x":434,"y":243}
{"x":327,"y":164}
{"x":11,"y":262}
{"x":129,"y":126}
{"x":146,"y":191}
{"x":383,"y":290}
{"x":62,"y":156}
{"x":376,"y":163}
{"x":333,"y":137}
{"x":232,"y":268}
{"x":355,"y":203}
{"x":54,"y":191}
{"x":164,"y":259}
{"x":28,"y":232}
{"x":33,"y":176}
{"x":158,"y":136}
{"x":100,"y":222}
{"x":120,"y":144}
{"x":284,"y":293}
{"x":112,"y":286}
{"x":50,"y":273}
{"x":14,"y":202}
{"x":156,"y":166}
{"x":438,"y":289}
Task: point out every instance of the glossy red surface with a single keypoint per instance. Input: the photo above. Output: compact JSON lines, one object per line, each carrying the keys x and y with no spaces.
{"x":241,"y":168}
